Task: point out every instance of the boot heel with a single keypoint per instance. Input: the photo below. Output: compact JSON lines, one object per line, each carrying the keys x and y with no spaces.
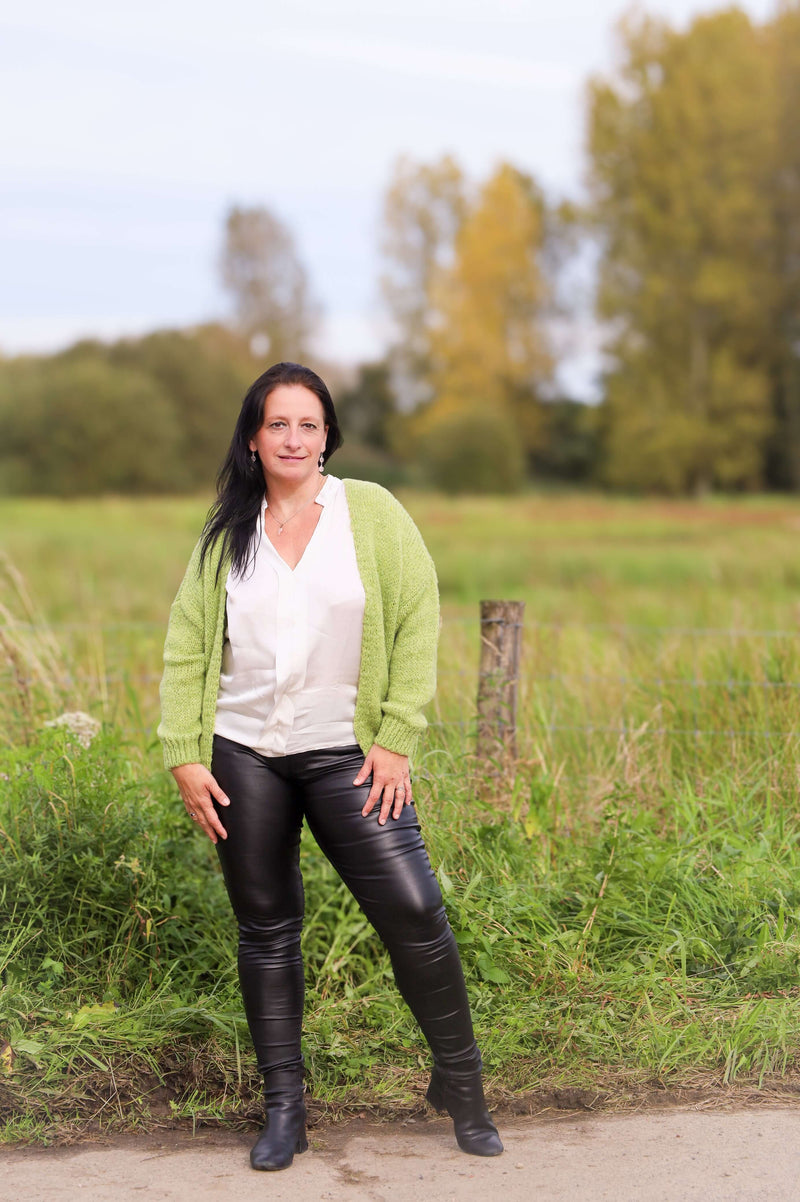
{"x":461,"y":1095}
{"x":434,"y":1096}
{"x":284,"y":1134}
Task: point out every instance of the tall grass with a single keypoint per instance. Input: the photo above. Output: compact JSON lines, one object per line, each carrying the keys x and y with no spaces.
{"x":627,"y":907}
{"x":657,"y":949}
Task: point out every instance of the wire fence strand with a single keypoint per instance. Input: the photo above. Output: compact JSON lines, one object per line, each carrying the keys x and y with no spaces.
{"x":715,"y":696}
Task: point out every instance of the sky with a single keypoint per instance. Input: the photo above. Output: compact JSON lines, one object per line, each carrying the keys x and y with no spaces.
{"x":130,"y":130}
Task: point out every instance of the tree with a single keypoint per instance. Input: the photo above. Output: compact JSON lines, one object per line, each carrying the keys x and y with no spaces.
{"x":569,"y":446}
{"x":268,"y":283}
{"x":488,"y":343}
{"x":205,"y":372}
{"x":681,"y":143}
{"x":423,"y":210}
{"x":365,"y":409}
{"x":472,"y":450}
{"x":75,"y":425}
{"x":783,"y":44}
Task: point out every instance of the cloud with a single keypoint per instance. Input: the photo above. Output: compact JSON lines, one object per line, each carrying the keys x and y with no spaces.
{"x":462,"y":66}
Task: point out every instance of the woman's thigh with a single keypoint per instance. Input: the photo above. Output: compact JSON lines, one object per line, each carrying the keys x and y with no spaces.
{"x":385,"y":867}
{"x":260,"y":857}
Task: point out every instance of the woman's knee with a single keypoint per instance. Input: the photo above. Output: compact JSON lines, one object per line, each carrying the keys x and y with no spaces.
{"x":275,"y":937}
{"x":415,"y":917}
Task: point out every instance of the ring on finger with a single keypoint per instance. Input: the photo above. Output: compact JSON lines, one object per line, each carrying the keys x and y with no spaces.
{"x":193,"y":815}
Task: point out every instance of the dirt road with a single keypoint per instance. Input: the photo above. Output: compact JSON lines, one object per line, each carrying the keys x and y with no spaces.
{"x":678,"y":1155}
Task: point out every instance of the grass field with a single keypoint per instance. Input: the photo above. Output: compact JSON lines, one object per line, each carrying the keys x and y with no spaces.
{"x":627,"y":899}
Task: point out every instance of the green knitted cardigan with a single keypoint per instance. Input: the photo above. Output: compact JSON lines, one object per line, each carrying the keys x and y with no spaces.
{"x":397,"y":676}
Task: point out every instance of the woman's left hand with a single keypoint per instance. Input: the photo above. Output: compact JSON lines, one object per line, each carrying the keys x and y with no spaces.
{"x":391,"y":782}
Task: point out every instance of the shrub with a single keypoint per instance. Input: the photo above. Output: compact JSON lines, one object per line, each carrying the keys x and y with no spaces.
{"x":80,"y":427}
{"x":103,"y":885}
{"x":473,"y":451}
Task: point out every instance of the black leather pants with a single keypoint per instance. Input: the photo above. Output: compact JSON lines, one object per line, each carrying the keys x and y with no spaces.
{"x":386,"y":868}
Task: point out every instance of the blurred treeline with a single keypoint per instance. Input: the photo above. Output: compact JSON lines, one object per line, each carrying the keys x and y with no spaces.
{"x":144,"y":415}
{"x":689,"y":232}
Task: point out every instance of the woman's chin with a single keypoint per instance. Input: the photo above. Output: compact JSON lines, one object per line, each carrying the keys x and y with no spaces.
{"x":292,"y":469}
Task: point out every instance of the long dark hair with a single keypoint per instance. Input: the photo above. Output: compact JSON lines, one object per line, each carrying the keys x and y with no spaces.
{"x":240,"y":483}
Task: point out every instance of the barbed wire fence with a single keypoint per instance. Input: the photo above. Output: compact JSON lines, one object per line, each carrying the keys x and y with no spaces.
{"x":509,"y":674}
{"x":642,"y":704}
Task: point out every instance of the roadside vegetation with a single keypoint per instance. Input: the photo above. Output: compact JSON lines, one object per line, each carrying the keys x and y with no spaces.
{"x":626,"y":897}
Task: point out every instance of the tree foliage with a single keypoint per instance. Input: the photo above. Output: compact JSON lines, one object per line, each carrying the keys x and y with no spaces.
{"x":683,"y":143}
{"x":261,"y":270}
{"x":205,"y":372}
{"x":466,"y":288}
{"x":489,"y":346}
{"x":569,"y":446}
{"x":424,"y":207}
{"x":472,"y":450}
{"x":484,"y":337}
{"x":783,"y":46}
{"x":366,"y":409}
{"x":142,"y":415}
{"x":76,"y":426}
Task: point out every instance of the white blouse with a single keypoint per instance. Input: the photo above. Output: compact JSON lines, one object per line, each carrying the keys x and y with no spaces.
{"x":292,"y":651}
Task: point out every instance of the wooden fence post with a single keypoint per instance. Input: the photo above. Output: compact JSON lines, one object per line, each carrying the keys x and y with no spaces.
{"x":498,"y":674}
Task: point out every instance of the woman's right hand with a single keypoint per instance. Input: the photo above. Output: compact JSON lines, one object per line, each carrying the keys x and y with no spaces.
{"x":197,"y":787}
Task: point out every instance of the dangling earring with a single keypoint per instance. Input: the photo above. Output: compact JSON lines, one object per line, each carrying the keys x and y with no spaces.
{"x":322,"y":462}
{"x":252,"y":460}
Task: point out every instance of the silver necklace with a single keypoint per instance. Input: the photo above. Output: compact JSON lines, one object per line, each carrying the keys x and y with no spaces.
{"x":305,"y":505}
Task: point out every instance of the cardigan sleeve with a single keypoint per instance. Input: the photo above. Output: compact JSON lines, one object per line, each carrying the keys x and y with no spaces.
{"x":183,"y":681}
{"x":412,"y":663}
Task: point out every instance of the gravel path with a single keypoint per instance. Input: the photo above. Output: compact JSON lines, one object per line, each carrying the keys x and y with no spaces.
{"x":677,"y":1155}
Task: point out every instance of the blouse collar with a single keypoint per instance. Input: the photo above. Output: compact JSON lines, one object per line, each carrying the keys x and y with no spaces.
{"x":322,"y":497}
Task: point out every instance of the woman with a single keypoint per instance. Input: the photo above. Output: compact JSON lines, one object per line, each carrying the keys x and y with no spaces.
{"x":301,"y":649}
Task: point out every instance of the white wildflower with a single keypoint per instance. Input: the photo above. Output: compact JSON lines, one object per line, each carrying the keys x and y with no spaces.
{"x":82,"y":725}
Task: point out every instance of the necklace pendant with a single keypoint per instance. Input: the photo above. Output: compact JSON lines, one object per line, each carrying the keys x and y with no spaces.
{"x":280,"y":529}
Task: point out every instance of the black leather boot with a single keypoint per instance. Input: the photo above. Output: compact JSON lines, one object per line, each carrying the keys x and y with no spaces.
{"x":461,"y":1095}
{"x":285,"y":1131}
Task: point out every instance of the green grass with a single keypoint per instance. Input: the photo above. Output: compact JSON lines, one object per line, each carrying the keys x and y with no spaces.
{"x":626,"y":900}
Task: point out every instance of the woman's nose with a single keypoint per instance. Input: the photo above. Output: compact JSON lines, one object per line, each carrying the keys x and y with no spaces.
{"x":292,"y":438}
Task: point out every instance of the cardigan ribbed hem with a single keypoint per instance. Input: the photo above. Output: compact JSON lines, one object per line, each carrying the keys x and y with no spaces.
{"x":181,"y":751}
{"x":395,"y":735}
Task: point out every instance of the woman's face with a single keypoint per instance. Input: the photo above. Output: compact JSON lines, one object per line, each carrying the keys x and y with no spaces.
{"x":292,"y":435}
